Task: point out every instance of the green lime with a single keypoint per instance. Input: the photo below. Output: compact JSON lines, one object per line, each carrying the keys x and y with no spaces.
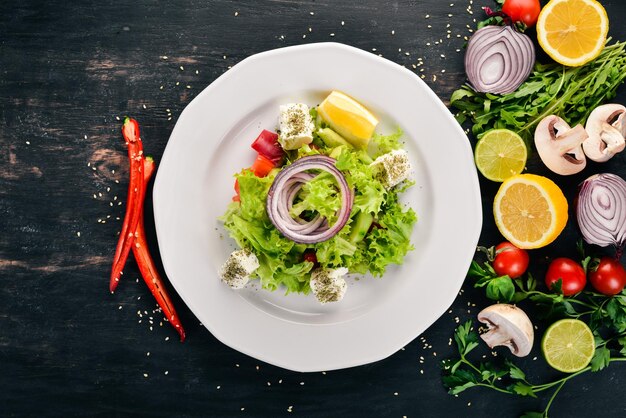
{"x":500,"y":154}
{"x":568,"y":345}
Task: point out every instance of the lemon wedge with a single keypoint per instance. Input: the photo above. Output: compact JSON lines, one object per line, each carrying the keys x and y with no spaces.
{"x":348,"y":118}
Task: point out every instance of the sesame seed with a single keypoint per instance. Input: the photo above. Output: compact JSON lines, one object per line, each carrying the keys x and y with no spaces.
{"x":218,"y":387}
{"x":236,"y":14}
{"x":311,"y":13}
{"x":145,"y":375}
{"x":166,"y":373}
{"x":393,"y":32}
{"x":117,"y":117}
{"x":182,"y":68}
{"x":164,"y":57}
{"x":167,"y":338}
{"x":395,"y":394}
{"x":343,"y":23}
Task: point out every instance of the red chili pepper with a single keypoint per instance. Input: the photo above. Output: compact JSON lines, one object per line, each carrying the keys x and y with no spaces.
{"x":134,"y":203}
{"x":146,"y":264}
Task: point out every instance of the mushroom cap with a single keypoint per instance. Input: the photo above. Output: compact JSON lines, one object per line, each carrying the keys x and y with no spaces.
{"x":508,"y":326}
{"x":606,"y":126}
{"x":559,"y":146}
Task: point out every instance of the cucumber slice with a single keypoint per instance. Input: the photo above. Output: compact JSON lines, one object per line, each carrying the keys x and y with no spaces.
{"x":331,"y":138}
{"x":360,"y":226}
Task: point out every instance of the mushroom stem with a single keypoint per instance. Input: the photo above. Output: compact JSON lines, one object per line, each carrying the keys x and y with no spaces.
{"x":559,"y":146}
{"x":606,"y":127}
{"x":568,"y":140}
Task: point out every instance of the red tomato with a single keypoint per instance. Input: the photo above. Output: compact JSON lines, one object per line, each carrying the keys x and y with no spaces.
{"x":510,"y":260}
{"x":609,"y":278}
{"x":310,"y":256}
{"x":262,"y":166}
{"x":571,"y":274}
{"x":526,"y":11}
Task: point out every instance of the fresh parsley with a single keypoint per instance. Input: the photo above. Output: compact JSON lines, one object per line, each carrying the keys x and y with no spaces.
{"x":605,"y":315}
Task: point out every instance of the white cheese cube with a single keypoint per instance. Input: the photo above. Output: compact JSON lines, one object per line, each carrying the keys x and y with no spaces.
{"x":328,"y":285}
{"x":237,"y":269}
{"x":392,"y":168}
{"x":295,"y":125}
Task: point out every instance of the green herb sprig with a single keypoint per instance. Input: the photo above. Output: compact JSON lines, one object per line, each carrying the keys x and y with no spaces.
{"x":605,"y":315}
{"x":569,"y":92}
{"x":461,"y":373}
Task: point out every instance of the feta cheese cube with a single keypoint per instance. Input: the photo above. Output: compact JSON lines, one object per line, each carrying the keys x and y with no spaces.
{"x":392,"y":168}
{"x":295,"y":125}
{"x":237,"y":269}
{"x":328,"y":285}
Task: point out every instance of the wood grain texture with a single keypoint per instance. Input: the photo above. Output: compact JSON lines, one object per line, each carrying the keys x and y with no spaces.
{"x":68,"y":347}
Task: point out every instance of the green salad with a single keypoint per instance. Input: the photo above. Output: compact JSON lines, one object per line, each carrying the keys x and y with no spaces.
{"x":377,"y":227}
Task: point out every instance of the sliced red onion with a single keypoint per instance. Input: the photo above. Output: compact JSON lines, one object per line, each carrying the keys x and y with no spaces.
{"x":601,"y":210}
{"x":286,"y":186}
{"x":498,"y":59}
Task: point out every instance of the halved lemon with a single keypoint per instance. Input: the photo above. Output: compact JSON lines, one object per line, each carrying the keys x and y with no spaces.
{"x":568,"y":345}
{"x":572,"y":32}
{"x":500,"y":154}
{"x":348,"y":118}
{"x":530,"y":210}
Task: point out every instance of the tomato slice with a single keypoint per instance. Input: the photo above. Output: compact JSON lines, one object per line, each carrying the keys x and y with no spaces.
{"x":262,"y":166}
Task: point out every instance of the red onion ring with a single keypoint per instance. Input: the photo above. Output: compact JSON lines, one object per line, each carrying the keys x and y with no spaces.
{"x":498,"y":59}
{"x":286,"y":186}
{"x":601,"y":210}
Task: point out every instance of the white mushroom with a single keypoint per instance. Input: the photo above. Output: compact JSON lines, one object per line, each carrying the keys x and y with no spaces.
{"x":508,"y":326}
{"x":606,"y":127}
{"x":559,"y":146}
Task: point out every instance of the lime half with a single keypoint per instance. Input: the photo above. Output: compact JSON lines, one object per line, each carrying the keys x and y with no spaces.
{"x":568,"y":345}
{"x":500,"y":154}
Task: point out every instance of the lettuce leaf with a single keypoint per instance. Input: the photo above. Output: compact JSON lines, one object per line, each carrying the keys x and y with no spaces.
{"x":383,"y":144}
{"x":281,"y":261}
{"x":370,"y":192}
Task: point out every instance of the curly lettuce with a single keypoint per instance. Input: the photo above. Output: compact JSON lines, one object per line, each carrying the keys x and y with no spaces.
{"x":282,"y":262}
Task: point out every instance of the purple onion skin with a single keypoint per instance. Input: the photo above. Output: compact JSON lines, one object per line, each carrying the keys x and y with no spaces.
{"x":278,"y":189}
{"x":492,"y":44}
{"x":601,"y":211}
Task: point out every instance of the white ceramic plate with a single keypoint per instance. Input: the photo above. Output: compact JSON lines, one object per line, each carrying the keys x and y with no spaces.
{"x":377,"y":317}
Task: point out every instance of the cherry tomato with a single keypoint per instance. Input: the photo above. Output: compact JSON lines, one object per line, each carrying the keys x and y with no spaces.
{"x":609,"y":278}
{"x":310,"y":256}
{"x":570,"y":272}
{"x":510,"y":260}
{"x":526,"y":11}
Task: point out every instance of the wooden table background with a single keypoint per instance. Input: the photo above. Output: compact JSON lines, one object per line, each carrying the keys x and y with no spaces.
{"x":70,"y":71}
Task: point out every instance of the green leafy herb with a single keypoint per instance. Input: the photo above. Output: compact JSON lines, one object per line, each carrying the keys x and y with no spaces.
{"x":462,"y":373}
{"x":606,"y":316}
{"x":569,"y":92}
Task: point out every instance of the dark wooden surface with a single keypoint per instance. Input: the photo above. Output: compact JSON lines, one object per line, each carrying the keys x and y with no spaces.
{"x":67,"y":346}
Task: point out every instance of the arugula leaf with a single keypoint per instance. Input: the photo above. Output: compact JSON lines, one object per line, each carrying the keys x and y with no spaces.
{"x":570,"y":92}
